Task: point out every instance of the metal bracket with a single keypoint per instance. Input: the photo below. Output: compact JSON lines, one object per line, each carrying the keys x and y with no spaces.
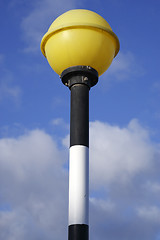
{"x":79,"y":75}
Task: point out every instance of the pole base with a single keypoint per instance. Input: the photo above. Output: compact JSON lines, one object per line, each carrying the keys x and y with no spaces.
{"x":79,"y":75}
{"x":78,"y":232}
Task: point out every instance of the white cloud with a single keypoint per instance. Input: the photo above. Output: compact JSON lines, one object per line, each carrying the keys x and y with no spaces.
{"x":156,"y":87}
{"x":118,"y":154}
{"x":37,"y":22}
{"x":12,"y":92}
{"x":151,"y":213}
{"x":66,"y":140}
{"x":8,"y":90}
{"x":124,"y":67}
{"x":106,"y":206}
{"x":122,"y":161}
{"x":34,"y":185}
{"x":153,"y":186}
{"x":60,"y":122}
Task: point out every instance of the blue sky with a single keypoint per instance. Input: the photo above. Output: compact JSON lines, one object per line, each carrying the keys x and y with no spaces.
{"x":124,"y":126}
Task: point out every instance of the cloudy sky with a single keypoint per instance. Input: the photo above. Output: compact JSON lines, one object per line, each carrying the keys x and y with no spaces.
{"x":124,"y":126}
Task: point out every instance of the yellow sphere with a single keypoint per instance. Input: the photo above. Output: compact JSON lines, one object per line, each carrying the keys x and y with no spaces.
{"x":80,"y":37}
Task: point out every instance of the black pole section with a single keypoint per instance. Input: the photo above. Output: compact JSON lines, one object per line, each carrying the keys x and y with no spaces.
{"x":78,"y":232}
{"x":79,"y":115}
{"x":79,"y":79}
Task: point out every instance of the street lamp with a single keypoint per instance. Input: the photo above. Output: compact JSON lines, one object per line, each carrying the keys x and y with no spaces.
{"x":79,"y":46}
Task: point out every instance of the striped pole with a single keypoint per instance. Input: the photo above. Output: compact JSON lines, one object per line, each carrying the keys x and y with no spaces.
{"x":79,"y":79}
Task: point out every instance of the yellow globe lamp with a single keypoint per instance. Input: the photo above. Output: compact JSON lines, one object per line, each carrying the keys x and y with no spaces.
{"x":80,"y":38}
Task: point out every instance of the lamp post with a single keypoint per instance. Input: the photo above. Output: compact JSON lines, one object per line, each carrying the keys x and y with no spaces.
{"x":79,"y":46}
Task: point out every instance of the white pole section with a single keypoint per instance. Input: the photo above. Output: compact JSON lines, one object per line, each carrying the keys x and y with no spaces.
{"x":79,"y":185}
